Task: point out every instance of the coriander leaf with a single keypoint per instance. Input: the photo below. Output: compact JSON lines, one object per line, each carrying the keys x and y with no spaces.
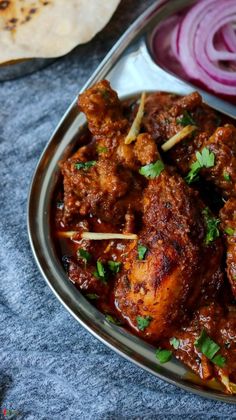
{"x":229,"y":231}
{"x":219,"y":360}
{"x":152,"y":170}
{"x":85,"y":255}
{"x":204,"y":159}
{"x":211,"y":225}
{"x":114,"y":266}
{"x":85,"y":165}
{"x":175,"y":342}
{"x":163,"y":355}
{"x":101,"y":149}
{"x":206,"y":345}
{"x":207,"y":158}
{"x":227,"y":176}
{"x":100,"y":272}
{"x":143,"y":322}
{"x":193,"y":173}
{"x":100,"y":269}
{"x":142,"y":250}
{"x":186,"y":119}
{"x":92,"y":296}
{"x":112,"y":320}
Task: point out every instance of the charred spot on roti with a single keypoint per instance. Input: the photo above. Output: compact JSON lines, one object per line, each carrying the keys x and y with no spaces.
{"x":4,"y":4}
{"x":15,"y":15}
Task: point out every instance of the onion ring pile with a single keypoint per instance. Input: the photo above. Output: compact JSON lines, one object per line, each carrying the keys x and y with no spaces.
{"x":202,"y":44}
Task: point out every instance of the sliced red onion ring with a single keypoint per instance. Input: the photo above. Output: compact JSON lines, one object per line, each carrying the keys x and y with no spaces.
{"x":200,"y":48}
{"x":201,"y":45}
{"x":193,"y":35}
{"x":229,"y":37}
{"x":163,"y":40}
{"x":212,"y":52}
{"x":174,"y":40}
{"x":187,"y":32}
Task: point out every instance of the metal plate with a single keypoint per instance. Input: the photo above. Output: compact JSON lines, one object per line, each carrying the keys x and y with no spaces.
{"x":130,"y":69}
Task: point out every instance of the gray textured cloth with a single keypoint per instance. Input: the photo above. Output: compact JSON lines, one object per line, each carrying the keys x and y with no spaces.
{"x":50,"y":367}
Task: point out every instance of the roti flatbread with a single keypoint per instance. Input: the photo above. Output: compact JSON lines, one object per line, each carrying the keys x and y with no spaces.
{"x":49,"y":28}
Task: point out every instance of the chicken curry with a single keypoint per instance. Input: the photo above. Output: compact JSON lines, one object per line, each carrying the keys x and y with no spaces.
{"x":145,"y":223}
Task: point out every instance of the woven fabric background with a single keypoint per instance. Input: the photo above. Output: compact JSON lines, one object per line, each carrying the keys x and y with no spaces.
{"x":50,"y":367}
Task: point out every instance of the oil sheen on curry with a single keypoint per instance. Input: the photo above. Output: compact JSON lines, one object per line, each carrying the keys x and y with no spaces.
{"x":145,"y":224}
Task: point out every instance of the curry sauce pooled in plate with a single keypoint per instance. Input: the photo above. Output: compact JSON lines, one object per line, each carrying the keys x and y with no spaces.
{"x":145,"y":220}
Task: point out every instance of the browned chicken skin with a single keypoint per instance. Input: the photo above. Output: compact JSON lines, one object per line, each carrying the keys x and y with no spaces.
{"x":228,"y":223}
{"x":107,"y":188}
{"x":177,"y":286}
{"x":220,"y":325}
{"x":173,"y":275}
{"x":222,"y":144}
{"x":163,"y":124}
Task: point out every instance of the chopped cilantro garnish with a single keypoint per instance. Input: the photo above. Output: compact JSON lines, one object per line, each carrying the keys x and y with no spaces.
{"x":85,"y":255}
{"x":100,"y":272}
{"x":205,"y":159}
{"x":85,"y":165}
{"x":112,"y":320}
{"x":212,"y":223}
{"x":142,"y":250}
{"x":229,"y":231}
{"x":114,"y":266}
{"x":163,"y":355}
{"x":175,"y":342}
{"x":143,"y":322}
{"x":209,"y":348}
{"x":152,"y":170}
{"x":206,"y":345}
{"x":92,"y":296}
{"x":186,"y":119}
{"x":227,"y":176}
{"x":193,"y":173}
{"x":219,"y":360}
{"x":101,"y":269}
{"x":101,"y":149}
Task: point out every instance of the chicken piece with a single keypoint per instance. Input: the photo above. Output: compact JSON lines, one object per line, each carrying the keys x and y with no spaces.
{"x":109,"y":127}
{"x":85,"y":279}
{"x":103,"y":110}
{"x":223,"y":174}
{"x":190,"y":110}
{"x":228,"y":224}
{"x":105,"y":190}
{"x":101,"y":178}
{"x":162,"y":124}
{"x":178,"y":266}
{"x":142,"y":152}
{"x":156,"y":103}
{"x":220,"y":326}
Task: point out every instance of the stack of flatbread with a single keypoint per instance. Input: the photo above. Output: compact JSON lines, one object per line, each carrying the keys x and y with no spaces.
{"x":49,"y":28}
